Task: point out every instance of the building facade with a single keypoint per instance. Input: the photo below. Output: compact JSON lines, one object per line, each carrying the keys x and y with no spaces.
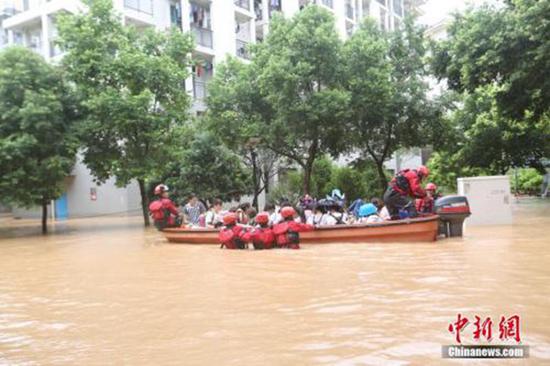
{"x":220,"y":28}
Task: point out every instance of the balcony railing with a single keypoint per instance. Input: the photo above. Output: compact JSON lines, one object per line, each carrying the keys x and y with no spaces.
{"x":349,"y":11}
{"x":203,"y":36}
{"x":199,"y":89}
{"x":242,"y":49}
{"x":245,"y":4}
{"x":327,"y":3}
{"x":142,"y":6}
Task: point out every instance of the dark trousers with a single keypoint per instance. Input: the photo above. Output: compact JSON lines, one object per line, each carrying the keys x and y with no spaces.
{"x":396,"y":202}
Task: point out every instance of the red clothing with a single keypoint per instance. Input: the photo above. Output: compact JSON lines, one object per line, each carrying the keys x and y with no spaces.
{"x":167,"y":208}
{"x":425,"y":205}
{"x":262,"y":238}
{"x":415,"y":189}
{"x":234,"y":237}
{"x":283,"y":229}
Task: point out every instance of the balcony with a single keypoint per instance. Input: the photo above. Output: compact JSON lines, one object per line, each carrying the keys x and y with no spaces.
{"x":245,"y":4}
{"x":203,"y":36}
{"x":199,"y":89}
{"x":242,"y":49}
{"x":141,"y":6}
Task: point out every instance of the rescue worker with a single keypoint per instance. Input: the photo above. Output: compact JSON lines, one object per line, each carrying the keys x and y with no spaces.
{"x":287,"y":231}
{"x":262,"y":236}
{"x":233,"y":236}
{"x":426,"y":204}
{"x":163,"y":211}
{"x":405,"y":184}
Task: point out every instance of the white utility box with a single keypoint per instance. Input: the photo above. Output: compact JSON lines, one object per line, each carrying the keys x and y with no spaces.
{"x":489,"y":198}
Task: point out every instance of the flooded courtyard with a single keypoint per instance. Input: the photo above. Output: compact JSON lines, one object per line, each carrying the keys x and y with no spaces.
{"x":107,"y":291}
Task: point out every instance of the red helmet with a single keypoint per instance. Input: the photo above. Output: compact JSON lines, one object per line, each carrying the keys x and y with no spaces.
{"x":287,"y":212}
{"x":423,"y":171}
{"x":230,"y":218}
{"x":161,"y":188}
{"x":431,"y":187}
{"x":262,"y":218}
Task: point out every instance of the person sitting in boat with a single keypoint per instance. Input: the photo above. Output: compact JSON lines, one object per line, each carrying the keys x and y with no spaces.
{"x":213,"y":218}
{"x":405,"y":184}
{"x":426,"y":205}
{"x":232,"y":235}
{"x":368,"y":214}
{"x":163,"y":211}
{"x":316,"y":217}
{"x":338,"y":196}
{"x":287,"y":232}
{"x":353,"y":209}
{"x":335,"y":215}
{"x":270,"y":209}
{"x":262,"y":236}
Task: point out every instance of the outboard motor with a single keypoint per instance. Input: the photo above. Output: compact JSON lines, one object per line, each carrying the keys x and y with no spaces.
{"x":452,"y":211}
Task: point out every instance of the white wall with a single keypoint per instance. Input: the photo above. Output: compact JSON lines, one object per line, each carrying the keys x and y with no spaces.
{"x":110,"y":199}
{"x":489,"y":198}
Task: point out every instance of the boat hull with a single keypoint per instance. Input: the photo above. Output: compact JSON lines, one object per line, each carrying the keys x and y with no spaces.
{"x":422,"y":229}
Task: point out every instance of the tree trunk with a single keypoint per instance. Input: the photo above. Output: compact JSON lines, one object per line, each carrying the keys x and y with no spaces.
{"x":307,"y":178}
{"x":381,"y":175}
{"x":144,"y":202}
{"x":308,"y":167}
{"x":44,"y":217}
{"x":255,"y":179}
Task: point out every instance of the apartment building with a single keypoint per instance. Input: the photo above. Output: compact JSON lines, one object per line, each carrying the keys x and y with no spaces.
{"x":220,"y":28}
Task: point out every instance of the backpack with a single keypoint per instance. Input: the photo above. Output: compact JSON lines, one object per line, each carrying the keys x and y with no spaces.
{"x":286,"y":236}
{"x":339,"y":220}
{"x":230,"y":239}
{"x":401,"y":181}
{"x":263,"y":238}
{"x":157,"y":211}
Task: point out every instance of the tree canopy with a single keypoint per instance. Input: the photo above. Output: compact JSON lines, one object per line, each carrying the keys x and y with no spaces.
{"x":37,"y":117}
{"x":508,"y":46}
{"x":385,"y":76}
{"x":134,"y":100}
{"x":298,"y":73}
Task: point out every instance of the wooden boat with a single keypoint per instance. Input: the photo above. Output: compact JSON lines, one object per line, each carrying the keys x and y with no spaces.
{"x":421,"y":229}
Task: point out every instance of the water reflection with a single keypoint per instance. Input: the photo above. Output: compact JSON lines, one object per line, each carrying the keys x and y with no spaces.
{"x":106,"y":291}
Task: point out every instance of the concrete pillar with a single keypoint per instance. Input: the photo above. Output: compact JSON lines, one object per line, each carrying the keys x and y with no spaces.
{"x":45,"y":20}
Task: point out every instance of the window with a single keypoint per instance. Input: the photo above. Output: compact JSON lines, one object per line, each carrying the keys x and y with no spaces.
{"x":398,"y":7}
{"x":382,"y":2}
{"x":142,"y":6}
{"x":383,"y":14}
{"x":366,"y":8}
{"x":327,"y":3}
{"x":175,"y":15}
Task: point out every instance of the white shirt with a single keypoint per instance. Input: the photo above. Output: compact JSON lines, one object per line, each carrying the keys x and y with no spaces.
{"x":384,"y":213}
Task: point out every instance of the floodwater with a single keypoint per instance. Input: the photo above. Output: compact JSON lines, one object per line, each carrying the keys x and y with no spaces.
{"x":106,"y":291}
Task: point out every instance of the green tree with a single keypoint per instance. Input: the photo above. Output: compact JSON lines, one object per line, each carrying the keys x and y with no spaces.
{"x":135,"y":102}
{"x":298,"y":73}
{"x":507,"y":45}
{"x":384,"y":73}
{"x":483,"y":140}
{"x":207,"y":167}
{"x":235,"y":115}
{"x":37,"y":115}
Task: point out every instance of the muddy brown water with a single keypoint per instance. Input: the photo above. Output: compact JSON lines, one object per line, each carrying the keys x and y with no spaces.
{"x":106,"y":291}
